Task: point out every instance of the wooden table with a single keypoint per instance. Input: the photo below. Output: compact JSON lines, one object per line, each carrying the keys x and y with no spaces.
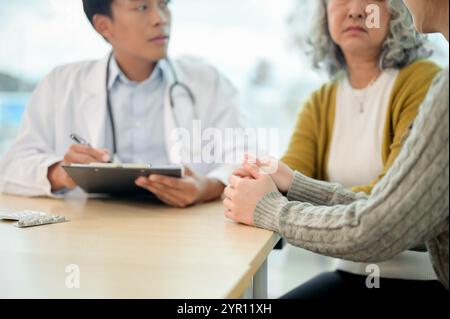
{"x":131,"y":249}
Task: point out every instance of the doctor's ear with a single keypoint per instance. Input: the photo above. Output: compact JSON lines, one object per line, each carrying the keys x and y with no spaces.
{"x":102,"y":25}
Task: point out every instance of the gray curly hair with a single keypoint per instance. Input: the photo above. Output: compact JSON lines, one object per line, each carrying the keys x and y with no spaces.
{"x":403,"y":45}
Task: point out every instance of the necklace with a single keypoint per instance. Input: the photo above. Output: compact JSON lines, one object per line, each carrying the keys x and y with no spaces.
{"x":361,"y":98}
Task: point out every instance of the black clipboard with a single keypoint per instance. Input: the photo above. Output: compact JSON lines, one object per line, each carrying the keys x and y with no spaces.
{"x":117,"y":179}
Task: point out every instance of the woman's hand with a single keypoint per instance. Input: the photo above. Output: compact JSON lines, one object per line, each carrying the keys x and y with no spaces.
{"x":281,"y":174}
{"x":244,"y":193}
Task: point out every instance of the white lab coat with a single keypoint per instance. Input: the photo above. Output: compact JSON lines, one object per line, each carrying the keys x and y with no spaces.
{"x":72,"y":99}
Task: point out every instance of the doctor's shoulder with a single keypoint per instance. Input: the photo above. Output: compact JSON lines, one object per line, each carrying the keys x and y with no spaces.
{"x":69,"y":75}
{"x":61,"y":82}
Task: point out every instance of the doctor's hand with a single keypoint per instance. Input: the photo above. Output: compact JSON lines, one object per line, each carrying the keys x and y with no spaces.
{"x":244,"y":193}
{"x":77,"y":154}
{"x":281,"y":174}
{"x":182,"y":192}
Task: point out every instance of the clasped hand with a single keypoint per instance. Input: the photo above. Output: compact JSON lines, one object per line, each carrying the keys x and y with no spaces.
{"x":250,"y":183}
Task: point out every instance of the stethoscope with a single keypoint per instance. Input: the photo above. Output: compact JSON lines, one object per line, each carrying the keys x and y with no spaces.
{"x":176,"y":83}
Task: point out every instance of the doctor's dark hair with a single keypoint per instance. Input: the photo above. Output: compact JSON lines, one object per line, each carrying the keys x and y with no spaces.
{"x":93,"y":7}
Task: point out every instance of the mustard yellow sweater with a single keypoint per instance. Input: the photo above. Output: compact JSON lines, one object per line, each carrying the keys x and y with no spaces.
{"x":309,"y":148}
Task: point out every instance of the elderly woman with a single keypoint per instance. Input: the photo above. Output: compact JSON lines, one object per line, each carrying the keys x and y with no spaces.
{"x":351,"y":132}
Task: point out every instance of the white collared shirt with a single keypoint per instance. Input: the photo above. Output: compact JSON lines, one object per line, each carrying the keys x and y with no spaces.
{"x":138,"y":110}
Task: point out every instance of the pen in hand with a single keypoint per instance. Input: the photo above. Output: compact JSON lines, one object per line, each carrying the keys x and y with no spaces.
{"x":81,"y":141}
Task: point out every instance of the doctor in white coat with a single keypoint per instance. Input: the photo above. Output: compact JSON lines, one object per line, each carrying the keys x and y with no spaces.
{"x":128,"y":103}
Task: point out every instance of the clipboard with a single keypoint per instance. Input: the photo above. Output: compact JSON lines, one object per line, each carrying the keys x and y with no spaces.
{"x":117,"y":179}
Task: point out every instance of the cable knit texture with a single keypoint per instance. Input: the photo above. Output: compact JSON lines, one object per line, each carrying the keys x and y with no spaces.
{"x":409,"y":206}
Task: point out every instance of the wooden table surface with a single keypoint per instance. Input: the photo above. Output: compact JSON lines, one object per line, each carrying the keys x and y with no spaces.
{"x":128,"y":249}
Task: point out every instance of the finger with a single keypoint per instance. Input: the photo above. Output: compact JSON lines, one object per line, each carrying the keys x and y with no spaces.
{"x":253,"y":170}
{"x":241,"y":172}
{"x":228,"y":204}
{"x":141,"y":181}
{"x":253,"y":160}
{"x":165,"y":196}
{"x":188,"y":171}
{"x":229,"y":193}
{"x":165,"y":187}
{"x":78,"y":158}
{"x":179,"y":194}
{"x":175,"y":197}
{"x":229,"y":214}
{"x":166,"y":200}
{"x":234,"y":180}
{"x":100,"y":155}
{"x":268,"y":165}
{"x":174,"y":200}
{"x":144,"y":183}
{"x":176,"y":183}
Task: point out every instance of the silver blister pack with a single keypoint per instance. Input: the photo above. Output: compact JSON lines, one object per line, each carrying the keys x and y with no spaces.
{"x":26,"y":214}
{"x":40,"y":220}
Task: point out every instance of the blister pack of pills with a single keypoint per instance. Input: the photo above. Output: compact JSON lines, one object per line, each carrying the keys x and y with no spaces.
{"x":29,"y":218}
{"x":26,"y":214}
{"x":38,"y":221}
